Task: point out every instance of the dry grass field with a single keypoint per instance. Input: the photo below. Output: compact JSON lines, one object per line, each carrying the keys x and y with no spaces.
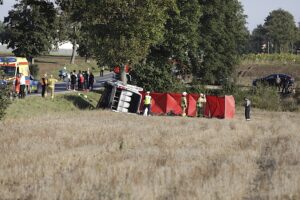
{"x":104,"y":155}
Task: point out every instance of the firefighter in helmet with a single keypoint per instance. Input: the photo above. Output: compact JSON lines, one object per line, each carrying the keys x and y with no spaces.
{"x":147,"y":104}
{"x":200,"y":105}
{"x":183,"y":103}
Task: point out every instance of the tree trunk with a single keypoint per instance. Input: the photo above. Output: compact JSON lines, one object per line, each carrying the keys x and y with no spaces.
{"x":123,"y":74}
{"x":73,"y":52}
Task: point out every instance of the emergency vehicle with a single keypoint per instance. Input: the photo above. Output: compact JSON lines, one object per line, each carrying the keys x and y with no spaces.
{"x":11,"y":66}
{"x":120,"y":97}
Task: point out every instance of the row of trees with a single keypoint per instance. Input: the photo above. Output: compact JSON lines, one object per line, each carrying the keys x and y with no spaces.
{"x":158,"y":38}
{"x":279,"y":34}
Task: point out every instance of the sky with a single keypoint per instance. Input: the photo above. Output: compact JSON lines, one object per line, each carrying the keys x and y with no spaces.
{"x":256,"y":10}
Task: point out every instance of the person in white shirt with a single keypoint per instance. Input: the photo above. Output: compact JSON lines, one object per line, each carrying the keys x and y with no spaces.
{"x":22,"y":86}
{"x":247,"y":108}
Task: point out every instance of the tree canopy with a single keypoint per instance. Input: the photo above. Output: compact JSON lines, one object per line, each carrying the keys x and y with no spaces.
{"x":222,"y":32}
{"x":31,"y":28}
{"x":279,"y":34}
{"x":122,"y":31}
{"x":281,"y":30}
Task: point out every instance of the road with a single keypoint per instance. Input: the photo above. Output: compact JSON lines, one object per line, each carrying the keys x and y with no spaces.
{"x":60,"y":87}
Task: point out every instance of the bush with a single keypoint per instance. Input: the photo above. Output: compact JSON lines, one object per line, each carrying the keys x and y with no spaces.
{"x":262,"y":97}
{"x":34,"y":70}
{"x":4,"y":99}
{"x":154,"y":77}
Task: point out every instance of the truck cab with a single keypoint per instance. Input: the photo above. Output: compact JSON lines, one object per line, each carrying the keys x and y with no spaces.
{"x":120,"y":97}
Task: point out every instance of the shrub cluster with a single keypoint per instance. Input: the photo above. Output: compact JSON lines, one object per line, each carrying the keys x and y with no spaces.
{"x":4,"y":99}
{"x":267,"y":98}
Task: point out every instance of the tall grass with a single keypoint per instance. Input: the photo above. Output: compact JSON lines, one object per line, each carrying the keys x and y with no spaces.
{"x":283,"y":58}
{"x":83,"y":154}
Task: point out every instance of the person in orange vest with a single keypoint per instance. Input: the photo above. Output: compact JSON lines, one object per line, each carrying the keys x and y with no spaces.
{"x":81,"y":79}
{"x":17,"y":84}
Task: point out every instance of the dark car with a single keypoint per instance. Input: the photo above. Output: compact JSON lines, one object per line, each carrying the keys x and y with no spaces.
{"x":271,"y":80}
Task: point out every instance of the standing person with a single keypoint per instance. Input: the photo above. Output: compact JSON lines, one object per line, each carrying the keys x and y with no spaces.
{"x":147,"y":104}
{"x":17,"y":85}
{"x":73,"y":80}
{"x":22,"y":86}
{"x":78,"y":80}
{"x":200,"y":105}
{"x":44,"y":84}
{"x":68,"y":81}
{"x":278,"y":82}
{"x":51,"y":85}
{"x":102,"y":71}
{"x":183,"y":104}
{"x":81,"y":79}
{"x":285,"y":87}
{"x":247,"y":108}
{"x":91,"y":81}
{"x":86,"y":80}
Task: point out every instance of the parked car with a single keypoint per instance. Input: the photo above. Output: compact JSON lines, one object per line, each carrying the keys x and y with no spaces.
{"x":271,"y":80}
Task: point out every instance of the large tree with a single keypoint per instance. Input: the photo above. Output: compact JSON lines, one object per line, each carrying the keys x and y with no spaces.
{"x":182,"y":35}
{"x":222,"y":32}
{"x":258,"y":40}
{"x":71,"y":17}
{"x":122,"y":31}
{"x":2,"y":32}
{"x":31,"y":28}
{"x":281,"y":30}
{"x":176,"y":54}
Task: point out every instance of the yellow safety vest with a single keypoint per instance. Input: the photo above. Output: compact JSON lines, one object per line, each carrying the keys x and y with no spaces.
{"x":147,"y":100}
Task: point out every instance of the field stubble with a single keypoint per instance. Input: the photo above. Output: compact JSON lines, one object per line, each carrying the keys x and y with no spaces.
{"x":106,"y":155}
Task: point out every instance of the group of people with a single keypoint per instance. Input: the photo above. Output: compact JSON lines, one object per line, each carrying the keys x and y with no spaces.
{"x":20,"y":86}
{"x":282,"y":84}
{"x":83,"y":79}
{"x":48,"y":85}
{"x":200,"y":105}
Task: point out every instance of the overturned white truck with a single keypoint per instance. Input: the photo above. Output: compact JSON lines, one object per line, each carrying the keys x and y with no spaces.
{"x":120,"y":97}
